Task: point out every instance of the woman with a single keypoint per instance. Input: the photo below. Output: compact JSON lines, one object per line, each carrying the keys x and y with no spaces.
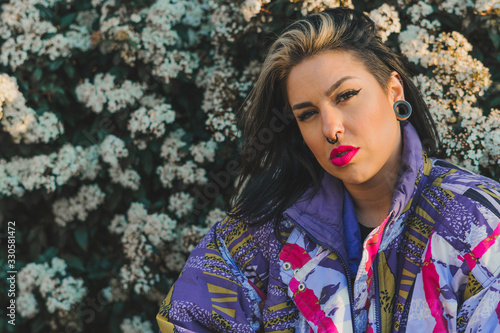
{"x":370,"y":234}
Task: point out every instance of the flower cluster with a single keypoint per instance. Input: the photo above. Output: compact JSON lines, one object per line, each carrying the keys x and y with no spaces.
{"x":419,"y":11}
{"x":26,"y":33}
{"x":188,"y":172}
{"x":310,"y":6}
{"x":60,"y":291}
{"x":139,"y":232}
{"x":105,"y":92}
{"x":180,"y":204}
{"x":8,"y":90}
{"x":224,"y":87}
{"x":22,"y":174}
{"x":136,"y":325}
{"x":226,"y":23}
{"x":152,"y":113}
{"x":150,"y":120}
{"x":203,"y":151}
{"x":460,"y":8}
{"x":115,"y":291}
{"x":386,"y":19}
{"x":457,"y":80}
{"x":487,"y":6}
{"x":149,"y":35}
{"x":191,"y":236}
{"x":174,"y":261}
{"x":111,"y":149}
{"x":251,"y":8}
{"x":158,"y":34}
{"x":21,"y":121}
{"x":214,"y":216}
{"x":88,"y":198}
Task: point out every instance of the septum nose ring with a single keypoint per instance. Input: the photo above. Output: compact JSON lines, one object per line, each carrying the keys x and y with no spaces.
{"x":333,"y":141}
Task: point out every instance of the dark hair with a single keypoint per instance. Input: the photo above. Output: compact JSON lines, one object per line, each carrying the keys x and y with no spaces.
{"x":277,"y":167}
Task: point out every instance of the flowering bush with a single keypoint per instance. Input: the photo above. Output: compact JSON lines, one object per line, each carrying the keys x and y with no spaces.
{"x":118,"y":130}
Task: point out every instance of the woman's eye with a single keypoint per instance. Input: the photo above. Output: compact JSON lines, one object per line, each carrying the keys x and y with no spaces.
{"x":347,"y":94}
{"x":306,"y":115}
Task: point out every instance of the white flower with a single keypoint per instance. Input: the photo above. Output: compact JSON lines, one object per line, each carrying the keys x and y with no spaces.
{"x":457,"y":7}
{"x":88,"y":198}
{"x":180,"y":204}
{"x":250,"y":8}
{"x":128,"y":178}
{"x":60,"y":290}
{"x":203,"y":151}
{"x":386,"y":19}
{"x":135,"y":18}
{"x":175,"y":261}
{"x":141,"y":231}
{"x":118,"y":224}
{"x":86,"y":18}
{"x":9,"y":90}
{"x":27,"y":305}
{"x":105,"y":92}
{"x":485,"y":6}
{"x":112,"y":148}
{"x":151,"y":120}
{"x":419,"y":11}
{"x":167,"y":174}
{"x":191,"y":236}
{"x":136,"y":325}
{"x":21,"y":121}
{"x":225,"y":22}
{"x":68,"y":292}
{"x":170,"y":150}
{"x":214,"y":216}
{"x":190,"y":173}
{"x":48,"y":171}
{"x":26,"y":33}
{"x":223,"y":88}
{"x":309,"y":6}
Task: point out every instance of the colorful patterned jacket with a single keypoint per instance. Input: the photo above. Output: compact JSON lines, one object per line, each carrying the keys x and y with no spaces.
{"x":433,"y":265}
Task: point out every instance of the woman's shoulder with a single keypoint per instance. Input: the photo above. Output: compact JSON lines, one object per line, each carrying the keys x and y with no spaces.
{"x":240,"y":238}
{"x":465,"y":206}
{"x":461,"y":186}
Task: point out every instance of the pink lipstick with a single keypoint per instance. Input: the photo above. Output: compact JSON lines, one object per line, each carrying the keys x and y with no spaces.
{"x":342,"y":155}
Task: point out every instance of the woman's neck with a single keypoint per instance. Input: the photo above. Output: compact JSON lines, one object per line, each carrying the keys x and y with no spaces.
{"x":373,"y":199}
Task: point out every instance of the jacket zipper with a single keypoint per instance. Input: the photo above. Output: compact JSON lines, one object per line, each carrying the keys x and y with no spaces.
{"x":378,"y":314}
{"x":342,"y":261}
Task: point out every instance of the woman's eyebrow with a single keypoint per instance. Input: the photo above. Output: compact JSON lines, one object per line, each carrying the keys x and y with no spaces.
{"x":337,"y":84}
{"x":327,"y":93}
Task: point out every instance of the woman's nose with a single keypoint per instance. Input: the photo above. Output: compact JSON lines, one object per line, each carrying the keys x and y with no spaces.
{"x":331,"y":122}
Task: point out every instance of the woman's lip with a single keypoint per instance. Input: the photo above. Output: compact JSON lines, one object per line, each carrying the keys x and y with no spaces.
{"x":349,"y":151}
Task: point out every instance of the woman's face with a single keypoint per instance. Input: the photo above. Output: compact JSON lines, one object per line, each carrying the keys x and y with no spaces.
{"x":333,"y":93}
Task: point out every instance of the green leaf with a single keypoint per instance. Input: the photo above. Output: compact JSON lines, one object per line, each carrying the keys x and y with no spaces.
{"x":494,"y":36}
{"x":147,"y":162}
{"x":45,"y":13}
{"x":37,"y":325}
{"x":495,"y":102}
{"x":97,"y":275}
{"x":56,"y":64}
{"x":70,"y":70}
{"x":114,"y":199}
{"x":66,"y":20}
{"x":73,"y":261}
{"x":37,"y":74}
{"x":50,"y":253}
{"x":82,"y":237}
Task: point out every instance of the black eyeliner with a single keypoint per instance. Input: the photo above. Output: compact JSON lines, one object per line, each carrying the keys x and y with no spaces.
{"x":349,"y":93}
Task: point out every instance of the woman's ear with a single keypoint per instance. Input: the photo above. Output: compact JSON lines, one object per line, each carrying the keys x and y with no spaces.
{"x":395,"y":87}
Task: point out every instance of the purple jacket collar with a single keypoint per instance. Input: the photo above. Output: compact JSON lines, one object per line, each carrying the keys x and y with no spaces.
{"x":320,"y":214}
